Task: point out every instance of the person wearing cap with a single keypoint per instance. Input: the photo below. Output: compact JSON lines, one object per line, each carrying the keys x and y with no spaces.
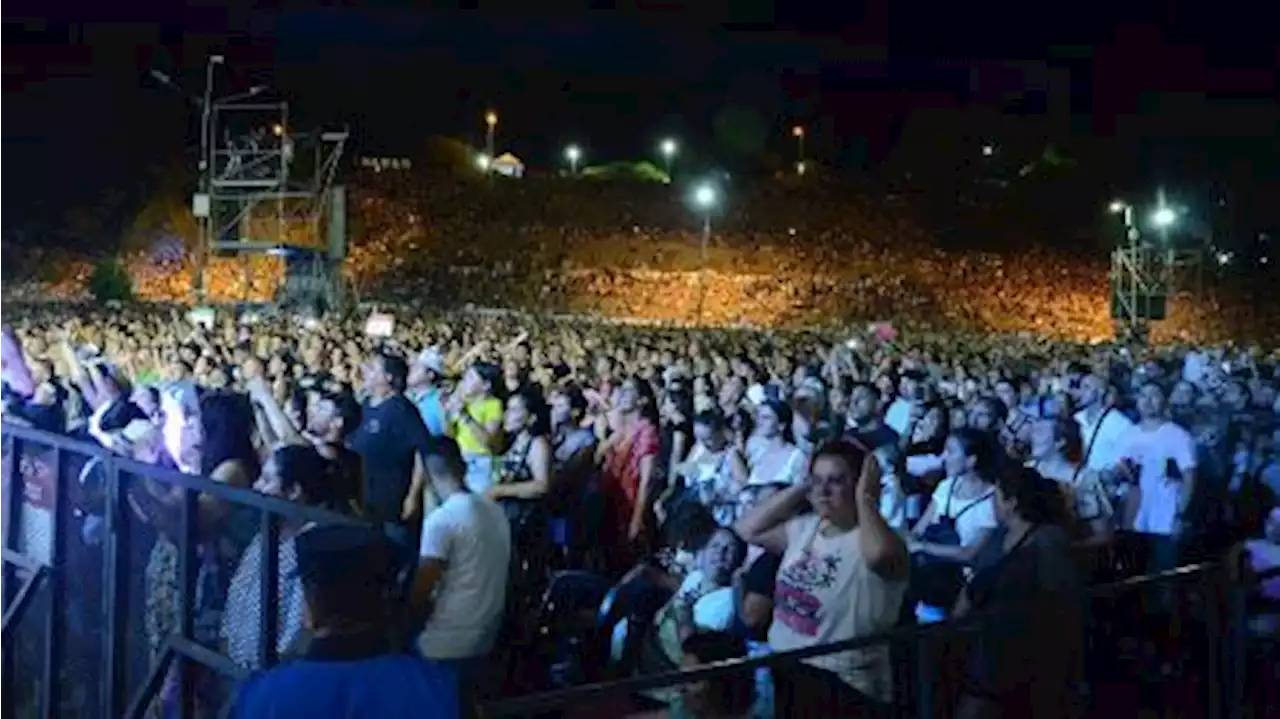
{"x":425,"y":375}
{"x":351,"y":667}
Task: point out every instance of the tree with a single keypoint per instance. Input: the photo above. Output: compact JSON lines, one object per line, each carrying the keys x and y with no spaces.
{"x":110,"y":281}
{"x":448,"y":154}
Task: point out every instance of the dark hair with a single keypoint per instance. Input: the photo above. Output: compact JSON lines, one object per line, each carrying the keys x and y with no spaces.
{"x":982,"y":447}
{"x":739,"y":545}
{"x":347,"y":408}
{"x":577,"y":400}
{"x":711,"y":418}
{"x":536,"y":405}
{"x":689,"y":526}
{"x":491,"y":374}
{"x":227,"y":420}
{"x":1035,"y":498}
{"x":853,"y":455}
{"x":1068,"y":430}
{"x":783,"y":411}
{"x":683,"y":400}
{"x":649,"y":402}
{"x":302,"y":467}
{"x":443,"y":454}
{"x":732,"y":694}
{"x":396,"y":368}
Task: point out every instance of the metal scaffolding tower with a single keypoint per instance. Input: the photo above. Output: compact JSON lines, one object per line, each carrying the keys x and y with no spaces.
{"x":1145,"y":274}
{"x":266,"y":188}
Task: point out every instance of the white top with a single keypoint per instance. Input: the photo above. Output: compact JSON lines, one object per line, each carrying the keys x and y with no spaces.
{"x":1109,"y":443}
{"x":471,"y":535}
{"x":898,"y":416}
{"x":1152,"y":450}
{"x":826,"y":592}
{"x":713,"y":610}
{"x":970,"y":523}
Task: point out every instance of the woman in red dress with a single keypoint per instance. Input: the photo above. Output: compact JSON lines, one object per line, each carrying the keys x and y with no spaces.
{"x":627,"y":451}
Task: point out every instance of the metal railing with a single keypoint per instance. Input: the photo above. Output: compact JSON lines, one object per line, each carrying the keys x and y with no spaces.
{"x":1217,"y":583}
{"x":41,"y":458}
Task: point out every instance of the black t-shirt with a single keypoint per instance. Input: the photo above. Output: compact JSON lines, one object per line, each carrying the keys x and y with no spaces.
{"x":873,"y":439}
{"x":758,"y":579}
{"x":389,"y":434}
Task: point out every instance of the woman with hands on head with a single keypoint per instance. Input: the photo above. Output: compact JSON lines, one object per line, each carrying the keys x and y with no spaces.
{"x":843,"y":575}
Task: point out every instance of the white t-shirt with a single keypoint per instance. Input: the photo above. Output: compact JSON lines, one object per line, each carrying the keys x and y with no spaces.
{"x":1152,"y":450}
{"x":825,"y":592}
{"x":898,"y":416}
{"x":973,"y":516}
{"x":1108,"y":445}
{"x":471,"y":535}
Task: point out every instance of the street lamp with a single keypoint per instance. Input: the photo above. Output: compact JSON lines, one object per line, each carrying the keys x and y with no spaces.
{"x":798,"y":133}
{"x":704,"y":200}
{"x":1164,"y":217}
{"x":491,"y":123}
{"x":668,"y":149}
{"x":483,"y":162}
{"x":572,"y":153}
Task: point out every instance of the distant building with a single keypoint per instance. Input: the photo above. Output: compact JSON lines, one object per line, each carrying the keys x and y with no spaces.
{"x":386,"y":164}
{"x":509,"y":165}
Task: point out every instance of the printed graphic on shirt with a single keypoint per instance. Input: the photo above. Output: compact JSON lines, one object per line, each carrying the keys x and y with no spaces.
{"x":797,"y":607}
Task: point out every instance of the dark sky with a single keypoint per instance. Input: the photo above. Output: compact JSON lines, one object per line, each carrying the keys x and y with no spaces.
{"x":80,"y":111}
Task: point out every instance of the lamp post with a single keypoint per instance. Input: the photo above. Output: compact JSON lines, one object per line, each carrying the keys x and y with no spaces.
{"x":704,"y":200}
{"x":668,"y":149}
{"x":491,"y":124}
{"x":573,"y":153}
{"x":202,"y":224}
{"x":798,"y":133}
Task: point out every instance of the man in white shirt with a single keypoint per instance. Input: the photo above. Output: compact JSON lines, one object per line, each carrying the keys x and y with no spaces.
{"x":911,"y":391}
{"x":464,"y":558}
{"x":1103,"y":429}
{"x":1165,"y":457}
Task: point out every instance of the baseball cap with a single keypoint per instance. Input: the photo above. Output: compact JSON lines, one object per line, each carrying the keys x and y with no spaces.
{"x":432,"y":360}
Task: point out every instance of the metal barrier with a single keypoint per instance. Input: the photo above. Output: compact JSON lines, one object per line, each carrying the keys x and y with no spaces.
{"x":38,"y":546}
{"x":1225,"y":659}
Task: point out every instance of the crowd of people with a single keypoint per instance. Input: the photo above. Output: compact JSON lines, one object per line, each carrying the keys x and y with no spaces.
{"x":781,"y":253}
{"x":712,"y":494}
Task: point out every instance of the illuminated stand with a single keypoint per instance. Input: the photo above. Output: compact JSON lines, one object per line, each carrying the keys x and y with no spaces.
{"x":1144,"y":273}
{"x":266,"y":188}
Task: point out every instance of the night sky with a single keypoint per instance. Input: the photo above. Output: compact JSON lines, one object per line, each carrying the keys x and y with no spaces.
{"x":1175,"y":85}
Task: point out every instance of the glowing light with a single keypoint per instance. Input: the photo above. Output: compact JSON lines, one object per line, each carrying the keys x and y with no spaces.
{"x":704,"y":196}
{"x":491,"y":118}
{"x":668,"y":147}
{"x":797,"y":131}
{"x":800,"y":168}
{"x":1164,"y":217}
{"x":1117,"y":206}
{"x":988,"y":150}
{"x":277,"y":129}
{"x":572,"y":153}
{"x":483,"y":162}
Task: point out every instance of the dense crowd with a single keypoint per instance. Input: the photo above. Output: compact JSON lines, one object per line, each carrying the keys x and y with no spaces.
{"x":714,"y":492}
{"x":781,"y":254}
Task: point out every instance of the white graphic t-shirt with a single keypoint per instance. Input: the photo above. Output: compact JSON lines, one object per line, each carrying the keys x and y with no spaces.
{"x":825,"y":592}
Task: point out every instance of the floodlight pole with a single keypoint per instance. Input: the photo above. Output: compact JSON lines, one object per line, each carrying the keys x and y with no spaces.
{"x":202,"y":222}
{"x":702,"y":263}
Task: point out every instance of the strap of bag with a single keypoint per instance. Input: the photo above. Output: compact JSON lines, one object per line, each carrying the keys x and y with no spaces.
{"x":1088,"y":448}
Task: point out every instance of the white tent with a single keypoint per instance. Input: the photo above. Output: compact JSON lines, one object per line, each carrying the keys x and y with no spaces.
{"x":509,"y":165}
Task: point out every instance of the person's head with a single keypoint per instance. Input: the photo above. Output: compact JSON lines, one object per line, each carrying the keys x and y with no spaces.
{"x":728,"y":696}
{"x":1150,"y":401}
{"x":332,"y":415}
{"x":1092,"y":391}
{"x":986,"y":414}
{"x":1235,"y":395}
{"x":834,"y":479}
{"x":1056,"y":436}
{"x":227,"y":420}
{"x":677,"y":407}
{"x":933,"y":425}
{"x":426,"y":370}
{"x":527,"y":412}
{"x":295,"y":472}
{"x":568,"y":406}
{"x":1025,"y":495}
{"x":635,"y":396}
{"x":689,"y":527}
{"x":347,"y":575}
{"x":721,"y":556}
{"x":710,"y":430}
{"x":385,"y":374}
{"x":969,"y":452}
{"x":445,"y":468}
{"x":1183,"y":396}
{"x":482,"y":379}
{"x":1008,"y":394}
{"x":864,"y":403}
{"x":773,"y":420}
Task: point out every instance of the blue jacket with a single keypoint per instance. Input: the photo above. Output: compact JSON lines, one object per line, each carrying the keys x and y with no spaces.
{"x":348,"y":677}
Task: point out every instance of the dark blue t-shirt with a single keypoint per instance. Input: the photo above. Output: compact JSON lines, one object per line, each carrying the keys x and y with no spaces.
{"x":386,"y":440}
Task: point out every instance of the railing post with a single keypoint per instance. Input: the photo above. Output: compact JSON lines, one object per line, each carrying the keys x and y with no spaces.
{"x":12,"y":480}
{"x":267,"y":593}
{"x":53,"y":634}
{"x":188,"y":570}
{"x":115,"y":584}
{"x":1211,"y":580}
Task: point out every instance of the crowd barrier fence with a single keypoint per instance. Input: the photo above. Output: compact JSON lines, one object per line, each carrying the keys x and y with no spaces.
{"x":71,"y":625}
